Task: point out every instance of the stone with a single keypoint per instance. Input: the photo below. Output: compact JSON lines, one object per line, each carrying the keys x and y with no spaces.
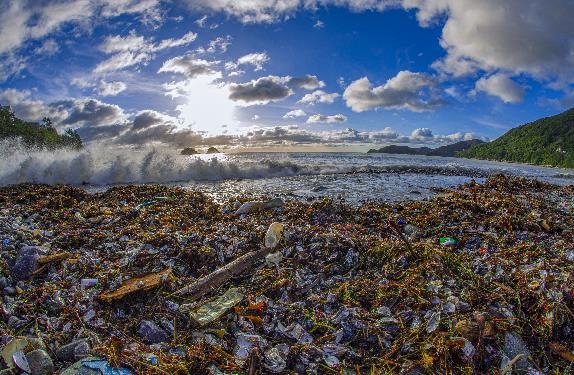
{"x":151,"y":333}
{"x":26,"y":263}
{"x":513,"y":346}
{"x":73,"y":351}
{"x":9,"y":291}
{"x":4,"y":282}
{"x":40,"y":362}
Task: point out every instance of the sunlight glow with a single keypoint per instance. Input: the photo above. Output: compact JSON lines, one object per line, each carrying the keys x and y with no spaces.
{"x":206,"y":106}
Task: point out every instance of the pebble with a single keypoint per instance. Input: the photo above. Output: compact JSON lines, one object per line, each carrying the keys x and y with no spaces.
{"x":40,"y":362}
{"x":73,"y":351}
{"x":151,"y":333}
{"x":26,"y":263}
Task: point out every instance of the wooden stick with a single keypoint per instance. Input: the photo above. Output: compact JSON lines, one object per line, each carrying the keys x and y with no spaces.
{"x":215,"y":279}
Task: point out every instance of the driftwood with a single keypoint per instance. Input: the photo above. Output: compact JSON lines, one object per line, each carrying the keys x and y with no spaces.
{"x":218,"y":277}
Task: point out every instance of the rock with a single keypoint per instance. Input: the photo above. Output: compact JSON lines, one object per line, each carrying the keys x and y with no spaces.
{"x":40,"y":362}
{"x":26,"y":263}
{"x":73,"y":351}
{"x":151,"y":333}
{"x":254,"y":206}
{"x":513,"y":346}
{"x":9,"y":291}
{"x":4,"y":282}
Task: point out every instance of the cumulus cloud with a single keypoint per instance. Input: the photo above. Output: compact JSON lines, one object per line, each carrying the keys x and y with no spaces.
{"x":295,"y":113}
{"x":29,"y":109}
{"x":407,"y":90}
{"x":534,"y":37}
{"x":421,"y":134}
{"x":133,"y":49}
{"x":148,"y":118}
{"x":257,"y":60}
{"x":260,"y":91}
{"x":334,"y":119}
{"x":90,"y":112}
{"x":110,"y":88}
{"x":189,"y":66}
{"x":501,"y":86}
{"x":319,"y":96}
{"x":307,"y":82}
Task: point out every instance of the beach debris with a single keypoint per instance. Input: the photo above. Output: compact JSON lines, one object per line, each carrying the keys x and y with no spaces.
{"x":360,"y":287}
{"x":256,"y":206}
{"x":213,"y":310}
{"x":235,"y":268}
{"x":19,"y":359}
{"x":137,"y":284}
{"x":447,"y":241}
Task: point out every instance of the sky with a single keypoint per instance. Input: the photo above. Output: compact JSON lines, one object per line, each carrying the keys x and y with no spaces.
{"x":282,"y":74}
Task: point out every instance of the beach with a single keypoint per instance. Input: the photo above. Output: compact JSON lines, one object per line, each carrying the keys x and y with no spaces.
{"x":475,"y":279}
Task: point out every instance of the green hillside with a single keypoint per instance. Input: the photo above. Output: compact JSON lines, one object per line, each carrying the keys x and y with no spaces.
{"x":34,"y":135}
{"x":548,"y":141}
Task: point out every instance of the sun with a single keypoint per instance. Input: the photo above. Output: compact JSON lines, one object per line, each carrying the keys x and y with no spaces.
{"x":206,"y":108}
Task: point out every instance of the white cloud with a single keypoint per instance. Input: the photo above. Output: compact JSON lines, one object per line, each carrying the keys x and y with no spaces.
{"x":134,"y":49}
{"x":334,"y":119}
{"x":265,"y":11}
{"x":201,"y":21}
{"x":319,"y":96}
{"x":295,"y":113}
{"x":189,"y":66}
{"x":501,"y":86}
{"x":407,"y":90}
{"x":110,"y":88}
{"x":48,"y":48}
{"x":533,"y":37}
{"x":319,"y":24}
{"x":257,"y":60}
{"x":26,"y":20}
{"x":421,"y":134}
{"x":307,"y":82}
{"x":170,"y":43}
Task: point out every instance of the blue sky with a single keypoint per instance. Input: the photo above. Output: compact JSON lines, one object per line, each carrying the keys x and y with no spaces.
{"x":286,"y":73}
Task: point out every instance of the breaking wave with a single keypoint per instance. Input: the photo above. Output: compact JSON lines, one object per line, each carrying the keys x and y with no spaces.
{"x":100,"y":166}
{"x":104,"y":166}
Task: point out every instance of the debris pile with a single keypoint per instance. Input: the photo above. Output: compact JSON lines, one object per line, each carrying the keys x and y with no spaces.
{"x":161,"y":280}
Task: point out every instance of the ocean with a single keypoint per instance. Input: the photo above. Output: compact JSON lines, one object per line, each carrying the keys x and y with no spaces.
{"x":353,"y":177}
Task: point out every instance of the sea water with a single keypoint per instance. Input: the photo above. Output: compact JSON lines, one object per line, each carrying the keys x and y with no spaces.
{"x":353,"y":177}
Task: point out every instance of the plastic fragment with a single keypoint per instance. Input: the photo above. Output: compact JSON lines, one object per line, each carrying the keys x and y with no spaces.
{"x":105,"y":367}
{"x":213,"y":310}
{"x":20,"y":361}
{"x":15,"y":345}
{"x":447,"y":241}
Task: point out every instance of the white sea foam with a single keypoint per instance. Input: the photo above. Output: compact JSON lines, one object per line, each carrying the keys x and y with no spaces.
{"x":104,"y":166}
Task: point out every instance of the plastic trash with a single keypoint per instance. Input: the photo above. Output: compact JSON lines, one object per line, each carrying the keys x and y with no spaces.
{"x":213,"y":310}
{"x":20,"y":361}
{"x":273,"y":235}
{"x":105,"y":367}
{"x":15,"y":345}
{"x":447,"y":241}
